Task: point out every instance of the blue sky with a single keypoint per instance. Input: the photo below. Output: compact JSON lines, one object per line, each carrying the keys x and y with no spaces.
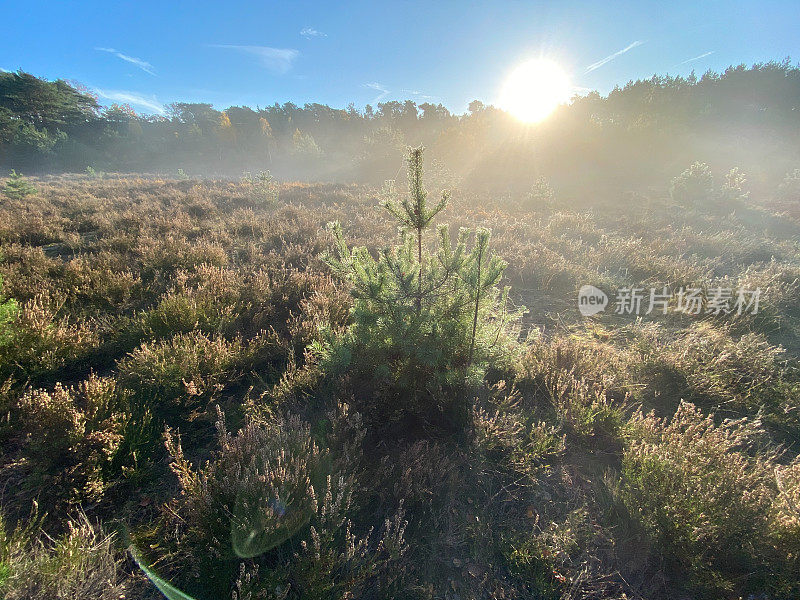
{"x":257,"y":53}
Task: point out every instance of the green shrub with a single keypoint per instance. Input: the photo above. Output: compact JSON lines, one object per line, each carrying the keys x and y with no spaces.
{"x":267,"y":484}
{"x":264,"y":187}
{"x":8,"y":309}
{"x":694,"y":186}
{"x":789,"y":188}
{"x":180,"y":375}
{"x":733,"y":190}
{"x":206,"y":300}
{"x":696,"y":490}
{"x":82,"y":563}
{"x":72,"y":435}
{"x":736,"y":376}
{"x":424,"y":324}
{"x":541,"y":195}
{"x":16,"y":188}
{"x":92,"y":173}
{"x":42,"y":342}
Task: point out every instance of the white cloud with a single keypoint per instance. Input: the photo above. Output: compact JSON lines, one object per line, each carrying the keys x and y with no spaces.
{"x":696,"y":58}
{"x":138,"y":62}
{"x":610,"y":57}
{"x":378,"y":88}
{"x":279,"y":60}
{"x":309,"y":32}
{"x":135,"y":99}
{"x":419,"y":95}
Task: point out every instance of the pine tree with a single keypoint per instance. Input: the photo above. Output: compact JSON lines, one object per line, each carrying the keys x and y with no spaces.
{"x":425,"y":324}
{"x":415,"y":214}
{"x":17,"y":188}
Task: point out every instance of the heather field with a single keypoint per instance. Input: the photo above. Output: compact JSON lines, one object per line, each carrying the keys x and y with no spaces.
{"x":258,"y":389}
{"x":399,"y":300}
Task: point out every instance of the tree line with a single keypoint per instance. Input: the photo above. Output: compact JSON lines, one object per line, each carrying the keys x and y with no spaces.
{"x":644,"y":130}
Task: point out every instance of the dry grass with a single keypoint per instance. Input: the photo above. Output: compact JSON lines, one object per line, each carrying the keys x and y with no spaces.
{"x":146,"y":302}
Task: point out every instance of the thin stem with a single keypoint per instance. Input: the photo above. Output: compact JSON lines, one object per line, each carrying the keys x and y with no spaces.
{"x":477,"y":305}
{"x":419,"y":258}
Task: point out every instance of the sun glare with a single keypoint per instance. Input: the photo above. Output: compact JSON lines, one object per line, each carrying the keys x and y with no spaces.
{"x":534,"y":89}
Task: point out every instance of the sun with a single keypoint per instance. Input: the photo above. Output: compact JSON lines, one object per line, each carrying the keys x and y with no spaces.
{"x":534,"y":89}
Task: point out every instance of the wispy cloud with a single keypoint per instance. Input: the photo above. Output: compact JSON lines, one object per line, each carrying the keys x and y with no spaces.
{"x":310,"y":32}
{"x":135,"y":99}
{"x":609,"y":58}
{"x":419,"y":95}
{"x":378,"y":88}
{"x":138,"y":62}
{"x":279,"y":60}
{"x":696,"y":58}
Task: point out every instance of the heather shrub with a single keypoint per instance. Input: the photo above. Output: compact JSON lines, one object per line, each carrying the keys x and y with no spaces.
{"x":696,"y":489}
{"x":504,"y":429}
{"x":497,"y":430}
{"x":787,"y":505}
{"x":780,"y":295}
{"x":789,"y":189}
{"x":694,"y":186}
{"x":174,"y":381}
{"x":71,"y":437}
{"x":8,"y":309}
{"x":29,"y":272}
{"x":41,"y":342}
{"x":276,"y":297}
{"x":99,"y":285}
{"x":267,"y":484}
{"x":205,"y":299}
{"x":82,"y":563}
{"x":586,"y":410}
{"x":175,"y":253}
{"x":257,"y":492}
{"x":541,"y":195}
{"x":785,"y":530}
{"x":571,"y":380}
{"x":182,"y":312}
{"x":547,"y":558}
{"x":737,"y":376}
{"x":180,"y":375}
{"x":733,"y":190}
{"x":549,"y":365}
{"x":332,"y":562}
{"x":441,"y":493}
